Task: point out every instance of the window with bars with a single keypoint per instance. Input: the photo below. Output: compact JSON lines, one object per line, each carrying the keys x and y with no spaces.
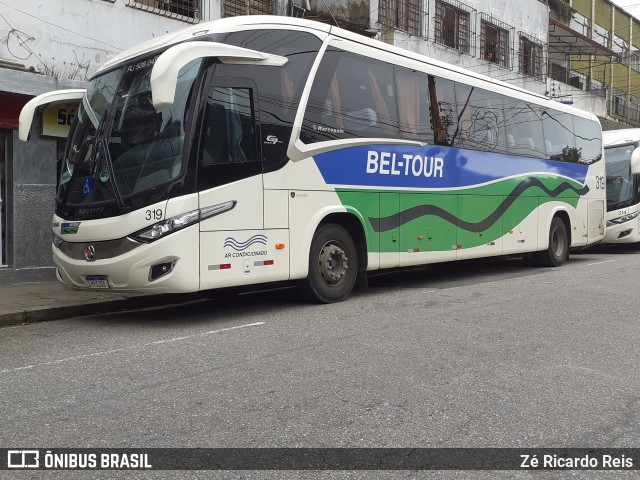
{"x":404,"y":15}
{"x":185,"y":9}
{"x":234,"y":8}
{"x":495,"y":42}
{"x":531,"y":56}
{"x":453,"y":25}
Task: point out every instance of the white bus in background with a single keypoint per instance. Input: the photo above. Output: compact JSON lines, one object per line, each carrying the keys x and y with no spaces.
{"x":622,"y":162}
{"x":262,"y":149}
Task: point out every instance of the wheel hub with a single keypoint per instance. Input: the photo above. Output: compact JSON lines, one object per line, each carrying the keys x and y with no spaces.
{"x":333,"y":263}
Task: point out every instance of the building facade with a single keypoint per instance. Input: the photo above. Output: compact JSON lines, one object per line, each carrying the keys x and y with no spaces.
{"x":594,"y":60}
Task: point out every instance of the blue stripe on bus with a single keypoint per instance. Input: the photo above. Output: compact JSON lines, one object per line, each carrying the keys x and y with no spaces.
{"x":431,"y":166}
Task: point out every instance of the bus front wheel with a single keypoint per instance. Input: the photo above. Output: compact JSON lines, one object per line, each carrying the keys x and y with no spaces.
{"x":333,"y":265}
{"x":558,"y":250}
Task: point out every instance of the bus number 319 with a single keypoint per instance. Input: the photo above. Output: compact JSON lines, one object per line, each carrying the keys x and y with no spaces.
{"x":154,"y":214}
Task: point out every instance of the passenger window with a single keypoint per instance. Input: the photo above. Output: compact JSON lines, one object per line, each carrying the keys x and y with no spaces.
{"x":413,"y":105}
{"x":588,"y":140}
{"x":352,"y":97}
{"x":523,"y":127}
{"x":227,"y":149}
{"x":481,"y":120}
{"x":445,"y":119}
{"x":558,"y":136}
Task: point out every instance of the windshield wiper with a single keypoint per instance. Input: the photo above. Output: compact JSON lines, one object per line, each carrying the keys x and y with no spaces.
{"x":103,"y":149}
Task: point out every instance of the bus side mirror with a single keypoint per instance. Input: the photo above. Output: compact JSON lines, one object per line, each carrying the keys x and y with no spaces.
{"x":36,"y":104}
{"x":164,"y":75}
{"x":635,"y":161}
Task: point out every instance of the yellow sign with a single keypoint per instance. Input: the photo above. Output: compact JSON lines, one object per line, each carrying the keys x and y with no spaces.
{"x":56,"y":119}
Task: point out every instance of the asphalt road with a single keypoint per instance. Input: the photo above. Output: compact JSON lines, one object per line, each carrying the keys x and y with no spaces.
{"x":475,"y":354}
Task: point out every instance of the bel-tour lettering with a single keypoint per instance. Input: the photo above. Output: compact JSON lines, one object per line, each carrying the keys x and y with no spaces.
{"x":387,"y":163}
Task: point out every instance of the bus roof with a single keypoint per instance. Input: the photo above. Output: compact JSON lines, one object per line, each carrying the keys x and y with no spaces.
{"x":621,"y":137}
{"x":233,"y":24}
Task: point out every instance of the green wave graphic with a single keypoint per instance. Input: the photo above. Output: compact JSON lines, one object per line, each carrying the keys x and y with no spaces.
{"x":405,"y":216}
{"x":394,"y":220}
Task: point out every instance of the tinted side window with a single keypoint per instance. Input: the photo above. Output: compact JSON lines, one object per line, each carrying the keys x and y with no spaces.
{"x":481,"y":120}
{"x":559,"y":140}
{"x":523,"y":126}
{"x":227,"y":149}
{"x":588,"y":140}
{"x":352,"y":97}
{"x":445,"y":120}
{"x":414,"y":113}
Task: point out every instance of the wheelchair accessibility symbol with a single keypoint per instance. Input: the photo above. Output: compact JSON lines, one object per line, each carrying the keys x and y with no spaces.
{"x":88,"y":185}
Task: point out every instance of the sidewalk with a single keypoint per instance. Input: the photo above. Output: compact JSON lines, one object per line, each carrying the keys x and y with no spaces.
{"x":37,"y":302}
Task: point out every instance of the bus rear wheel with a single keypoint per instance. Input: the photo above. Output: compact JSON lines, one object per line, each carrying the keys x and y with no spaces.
{"x":558,"y":250}
{"x":333,"y":265}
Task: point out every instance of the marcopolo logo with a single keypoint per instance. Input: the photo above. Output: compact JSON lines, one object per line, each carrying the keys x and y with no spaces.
{"x":23,"y":459}
{"x":238,"y":246}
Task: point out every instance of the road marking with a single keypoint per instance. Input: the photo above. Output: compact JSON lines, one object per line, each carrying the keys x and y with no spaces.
{"x":600,"y":263}
{"x":116,"y":350}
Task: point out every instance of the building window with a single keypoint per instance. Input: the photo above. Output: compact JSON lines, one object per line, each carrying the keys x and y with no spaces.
{"x":601,"y":35}
{"x":580,"y":24}
{"x":618,"y":102}
{"x":578,"y":80}
{"x":621,"y":47}
{"x":531,"y":56}
{"x":494,"y":41}
{"x":403,"y":15}
{"x":598,"y":88}
{"x":634,"y":109}
{"x":634,"y":60}
{"x":453,"y":25}
{"x":182,"y":9}
{"x":234,"y":8}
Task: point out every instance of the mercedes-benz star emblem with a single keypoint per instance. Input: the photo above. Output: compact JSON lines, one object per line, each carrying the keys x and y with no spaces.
{"x":90,"y":253}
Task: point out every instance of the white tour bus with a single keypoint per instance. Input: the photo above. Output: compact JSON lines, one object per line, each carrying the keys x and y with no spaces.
{"x":622,"y":162}
{"x":262,"y":149}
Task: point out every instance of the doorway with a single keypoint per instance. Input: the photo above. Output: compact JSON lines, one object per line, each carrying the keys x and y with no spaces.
{"x":4,"y":135}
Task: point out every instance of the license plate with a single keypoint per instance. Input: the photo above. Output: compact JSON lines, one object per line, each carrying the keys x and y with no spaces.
{"x":97,"y":281}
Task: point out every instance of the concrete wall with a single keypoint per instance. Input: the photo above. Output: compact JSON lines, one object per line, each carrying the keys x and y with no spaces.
{"x":72,"y":38}
{"x":30,"y":206}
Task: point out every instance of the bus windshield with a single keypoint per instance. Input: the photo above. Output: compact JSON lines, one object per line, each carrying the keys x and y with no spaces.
{"x":121,"y":146}
{"x":620,"y":191}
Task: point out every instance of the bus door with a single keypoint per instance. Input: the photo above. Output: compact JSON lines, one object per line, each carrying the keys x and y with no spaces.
{"x":229,"y":180}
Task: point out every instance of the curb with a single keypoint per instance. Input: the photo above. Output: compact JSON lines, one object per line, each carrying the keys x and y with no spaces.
{"x":43,"y":314}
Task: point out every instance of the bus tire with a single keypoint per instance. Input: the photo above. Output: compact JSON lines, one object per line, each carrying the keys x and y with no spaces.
{"x":558,"y":250}
{"x":333,"y":265}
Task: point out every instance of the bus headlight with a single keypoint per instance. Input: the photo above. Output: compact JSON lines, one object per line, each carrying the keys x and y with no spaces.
{"x":165,"y":227}
{"x":623,"y":219}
